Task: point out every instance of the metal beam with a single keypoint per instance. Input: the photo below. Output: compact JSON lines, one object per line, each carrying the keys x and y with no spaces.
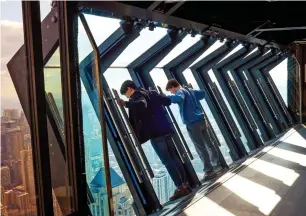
{"x":281,"y":29}
{"x":235,"y":100}
{"x":253,"y":92}
{"x":200,"y":70}
{"x":71,"y":87}
{"x":265,"y":129}
{"x":37,"y":107}
{"x":175,"y":7}
{"x":154,"y":5}
{"x":122,"y":9}
{"x":266,"y":92}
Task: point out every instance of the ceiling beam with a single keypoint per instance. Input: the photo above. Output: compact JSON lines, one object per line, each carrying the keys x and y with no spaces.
{"x":281,"y":29}
{"x":175,"y":7}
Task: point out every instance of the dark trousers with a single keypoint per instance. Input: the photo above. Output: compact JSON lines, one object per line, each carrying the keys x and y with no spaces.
{"x":201,"y":138}
{"x":166,"y":151}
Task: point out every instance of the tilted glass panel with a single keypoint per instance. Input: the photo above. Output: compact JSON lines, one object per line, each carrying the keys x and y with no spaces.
{"x":93,"y":146}
{"x":186,"y":43}
{"x":162,"y":183}
{"x":214,"y":79}
{"x":223,"y":148}
{"x":94,"y":164}
{"x":279,"y":75}
{"x":141,"y":44}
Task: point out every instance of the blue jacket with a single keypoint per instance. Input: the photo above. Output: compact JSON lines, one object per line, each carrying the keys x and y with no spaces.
{"x":148,"y":115}
{"x":188,"y":101}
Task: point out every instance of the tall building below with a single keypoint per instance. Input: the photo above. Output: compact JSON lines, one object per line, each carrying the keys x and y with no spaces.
{"x":27,"y":173}
{"x":5,"y":176}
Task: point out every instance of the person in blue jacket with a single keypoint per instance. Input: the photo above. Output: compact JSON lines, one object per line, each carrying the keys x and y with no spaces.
{"x":192,"y":115}
{"x":149,"y":122}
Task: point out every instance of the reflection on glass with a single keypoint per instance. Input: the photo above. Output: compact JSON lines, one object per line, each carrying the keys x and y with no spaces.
{"x":223,"y":148}
{"x":94,"y":161}
{"x":279,"y":75}
{"x":146,"y":40}
{"x":186,"y":43}
{"x":214,"y":79}
{"x":53,"y":88}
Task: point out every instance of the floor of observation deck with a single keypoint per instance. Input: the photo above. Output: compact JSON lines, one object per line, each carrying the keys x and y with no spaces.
{"x":270,"y":182}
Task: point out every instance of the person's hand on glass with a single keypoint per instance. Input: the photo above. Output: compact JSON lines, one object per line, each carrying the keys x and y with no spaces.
{"x":120,"y":102}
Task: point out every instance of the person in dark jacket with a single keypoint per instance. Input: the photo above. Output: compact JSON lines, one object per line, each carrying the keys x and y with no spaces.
{"x":149,"y":121}
{"x":193,"y":117}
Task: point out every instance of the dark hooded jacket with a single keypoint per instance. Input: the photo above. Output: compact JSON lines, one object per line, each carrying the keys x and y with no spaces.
{"x":148,"y":116}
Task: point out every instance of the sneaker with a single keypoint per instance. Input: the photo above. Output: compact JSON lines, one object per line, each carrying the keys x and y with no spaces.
{"x":180,"y":192}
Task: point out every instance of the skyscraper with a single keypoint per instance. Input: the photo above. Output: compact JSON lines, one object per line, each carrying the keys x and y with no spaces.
{"x":160,"y":184}
{"x":14,"y":143}
{"x":5,"y":176}
{"x":28,"y":174}
{"x":23,"y":203}
{"x":11,"y":114}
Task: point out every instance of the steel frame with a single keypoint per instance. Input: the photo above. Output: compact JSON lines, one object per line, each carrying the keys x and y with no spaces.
{"x":254,"y":93}
{"x":200,"y":72}
{"x":265,"y":91}
{"x":140,"y":69}
{"x":265,"y":71}
{"x":113,"y":9}
{"x":72,"y":108}
{"x":235,"y":100}
{"x":37,"y":107}
{"x":249,"y":98}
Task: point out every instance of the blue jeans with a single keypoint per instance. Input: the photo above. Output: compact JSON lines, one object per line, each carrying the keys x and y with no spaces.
{"x":166,"y":151}
{"x":201,"y":138}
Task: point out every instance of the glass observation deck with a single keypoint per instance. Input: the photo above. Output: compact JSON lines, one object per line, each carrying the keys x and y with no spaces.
{"x":252,"y":105}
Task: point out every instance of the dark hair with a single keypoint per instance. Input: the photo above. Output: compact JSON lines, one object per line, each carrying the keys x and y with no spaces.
{"x":127,"y":84}
{"x":172,"y":83}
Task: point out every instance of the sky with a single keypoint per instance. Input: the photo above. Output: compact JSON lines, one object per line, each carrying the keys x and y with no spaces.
{"x":12,"y":40}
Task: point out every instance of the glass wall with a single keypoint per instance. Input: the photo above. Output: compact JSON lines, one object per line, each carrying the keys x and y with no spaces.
{"x":56,"y":136}
{"x":94,"y":161}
